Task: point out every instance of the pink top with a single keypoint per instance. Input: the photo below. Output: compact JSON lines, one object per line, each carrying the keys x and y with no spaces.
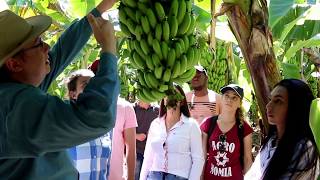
{"x":126,"y":118}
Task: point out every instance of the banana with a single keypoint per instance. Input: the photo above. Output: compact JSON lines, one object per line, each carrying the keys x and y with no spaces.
{"x":149,"y":63}
{"x":188,"y":75}
{"x":131,"y":3}
{"x":188,"y":5}
{"x":183,"y":64}
{"x":122,"y":16}
{"x":174,"y":8}
{"x":192,"y":40}
{"x":157,"y":94}
{"x":158,"y":32}
{"x":138,"y":32}
{"x":181,"y":11}
{"x":144,"y":46}
{"x":138,"y":16}
{"x":150,"y":39}
{"x":145,"y":24}
{"x":142,"y":7}
{"x":125,"y":29}
{"x":159,"y":11}
{"x":156,"y":60}
{"x":148,"y":95}
{"x":133,"y":64}
{"x":182,"y":45}
{"x":153,"y":80}
{"x":158,"y":72}
{"x":184,"y":26}
{"x":190,"y":57}
{"x":138,"y":60}
{"x":164,"y":49}
{"x":176,"y":69}
{"x":165,"y":31}
{"x":141,"y":78}
{"x":130,"y":13}
{"x":186,"y":43}
{"x":166,"y":75}
{"x":196,"y":56}
{"x":171,"y":58}
{"x":163,"y":87}
{"x":185,"y":77}
{"x":137,"y":47}
{"x":192,"y":25}
{"x":156,"y":48}
{"x":151,"y":17}
{"x":142,"y":97}
{"x":148,"y":83}
{"x":173,"y":23}
{"x":130,"y":45}
{"x":131,"y":26}
{"x":178,"y":49}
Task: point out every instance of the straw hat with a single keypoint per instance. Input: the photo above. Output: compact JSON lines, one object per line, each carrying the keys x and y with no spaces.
{"x":16,"y":32}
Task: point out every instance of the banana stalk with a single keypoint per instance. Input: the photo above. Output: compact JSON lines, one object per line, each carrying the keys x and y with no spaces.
{"x":248,"y":20}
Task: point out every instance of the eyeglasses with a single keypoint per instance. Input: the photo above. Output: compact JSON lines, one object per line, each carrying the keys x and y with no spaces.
{"x":222,"y":140}
{"x":39,"y":44}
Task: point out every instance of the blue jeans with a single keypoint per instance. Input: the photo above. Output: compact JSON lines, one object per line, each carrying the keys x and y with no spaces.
{"x":156,"y":175}
{"x":139,"y":161}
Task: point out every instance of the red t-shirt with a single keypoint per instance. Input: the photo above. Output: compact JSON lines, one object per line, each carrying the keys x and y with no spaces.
{"x":224,"y":164}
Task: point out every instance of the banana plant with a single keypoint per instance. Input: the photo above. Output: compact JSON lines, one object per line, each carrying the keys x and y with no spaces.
{"x":248,"y":20}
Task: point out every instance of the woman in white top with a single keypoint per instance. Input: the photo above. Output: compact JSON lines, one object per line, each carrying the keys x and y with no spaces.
{"x":289,"y":151}
{"x":173,"y":149}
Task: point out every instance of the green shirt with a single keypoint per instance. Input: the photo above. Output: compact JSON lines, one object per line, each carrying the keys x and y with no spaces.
{"x":36,"y":128}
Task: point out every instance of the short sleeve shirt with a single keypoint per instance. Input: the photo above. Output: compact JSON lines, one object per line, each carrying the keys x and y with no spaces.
{"x":223,"y":160}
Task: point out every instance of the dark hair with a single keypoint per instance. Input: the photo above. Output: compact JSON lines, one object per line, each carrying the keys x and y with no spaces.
{"x":72,"y":84}
{"x":184,"y":105}
{"x":297,"y":130}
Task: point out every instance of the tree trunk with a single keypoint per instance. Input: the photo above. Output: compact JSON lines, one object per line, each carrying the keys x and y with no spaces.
{"x":249,"y":23}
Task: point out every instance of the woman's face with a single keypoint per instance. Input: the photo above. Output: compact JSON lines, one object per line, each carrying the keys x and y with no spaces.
{"x":231,"y":100}
{"x":277,"y":108}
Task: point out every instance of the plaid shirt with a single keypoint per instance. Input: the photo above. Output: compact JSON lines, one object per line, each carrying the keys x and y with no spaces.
{"x":92,"y":159}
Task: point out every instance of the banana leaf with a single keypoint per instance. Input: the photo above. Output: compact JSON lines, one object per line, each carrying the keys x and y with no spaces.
{"x":314,"y":120}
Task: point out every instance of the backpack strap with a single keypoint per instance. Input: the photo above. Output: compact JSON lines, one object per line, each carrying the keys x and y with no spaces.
{"x":241,"y":136}
{"x":213,"y":123}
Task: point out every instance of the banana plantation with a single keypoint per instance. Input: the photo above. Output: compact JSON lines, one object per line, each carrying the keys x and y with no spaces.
{"x":254,"y":43}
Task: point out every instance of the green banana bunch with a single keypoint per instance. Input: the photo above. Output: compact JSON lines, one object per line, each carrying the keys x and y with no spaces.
{"x":161,"y":43}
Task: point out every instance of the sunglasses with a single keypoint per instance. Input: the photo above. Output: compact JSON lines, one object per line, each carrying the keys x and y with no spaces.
{"x":222,"y":140}
{"x":39,"y":44}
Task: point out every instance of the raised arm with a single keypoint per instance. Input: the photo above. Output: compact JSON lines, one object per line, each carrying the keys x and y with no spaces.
{"x":70,"y":43}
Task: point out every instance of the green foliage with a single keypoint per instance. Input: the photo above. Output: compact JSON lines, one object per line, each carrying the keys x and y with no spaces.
{"x":277,"y":9}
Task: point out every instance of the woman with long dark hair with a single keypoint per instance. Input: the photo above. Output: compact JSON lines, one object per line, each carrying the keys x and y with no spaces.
{"x":227,"y":139}
{"x":173,"y":149}
{"x":289,"y":151}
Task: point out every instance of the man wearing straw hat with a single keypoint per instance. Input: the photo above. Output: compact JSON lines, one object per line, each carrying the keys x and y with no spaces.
{"x":35,"y":127}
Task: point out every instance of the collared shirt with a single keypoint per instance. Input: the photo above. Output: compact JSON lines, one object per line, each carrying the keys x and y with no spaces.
{"x":177,"y":152}
{"x":92,"y":159}
{"x":144,"y":119}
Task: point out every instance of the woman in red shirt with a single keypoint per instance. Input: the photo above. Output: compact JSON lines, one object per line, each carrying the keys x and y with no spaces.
{"x":227,"y":139}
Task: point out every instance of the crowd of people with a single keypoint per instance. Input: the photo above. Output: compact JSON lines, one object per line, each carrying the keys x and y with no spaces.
{"x":202,"y":135}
